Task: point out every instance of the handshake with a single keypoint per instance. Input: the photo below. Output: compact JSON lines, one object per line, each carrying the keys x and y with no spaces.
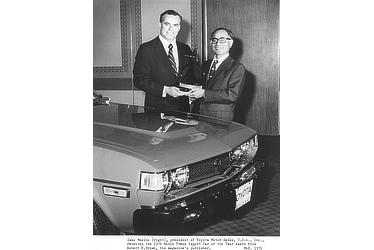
{"x":192,"y":91}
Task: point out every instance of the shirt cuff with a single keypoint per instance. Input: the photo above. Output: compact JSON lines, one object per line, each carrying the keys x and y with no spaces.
{"x":164,"y":92}
{"x":204,"y":94}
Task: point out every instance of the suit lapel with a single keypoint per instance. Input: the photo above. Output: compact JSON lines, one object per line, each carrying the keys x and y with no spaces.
{"x":224,"y":65}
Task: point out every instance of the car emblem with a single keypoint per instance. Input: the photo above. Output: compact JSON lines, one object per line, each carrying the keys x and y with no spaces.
{"x":217,"y":162}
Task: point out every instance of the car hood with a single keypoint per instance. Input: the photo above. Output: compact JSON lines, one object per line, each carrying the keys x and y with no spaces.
{"x":164,"y":139}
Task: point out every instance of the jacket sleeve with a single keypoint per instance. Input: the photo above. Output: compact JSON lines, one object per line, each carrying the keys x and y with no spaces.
{"x":230,"y":90}
{"x":142,"y":72}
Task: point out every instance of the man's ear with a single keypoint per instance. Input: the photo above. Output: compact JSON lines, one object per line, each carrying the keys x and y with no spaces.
{"x":231,"y":43}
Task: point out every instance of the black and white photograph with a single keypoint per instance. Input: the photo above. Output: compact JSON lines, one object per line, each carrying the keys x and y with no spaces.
{"x":186,"y":118}
{"x":155,"y":124}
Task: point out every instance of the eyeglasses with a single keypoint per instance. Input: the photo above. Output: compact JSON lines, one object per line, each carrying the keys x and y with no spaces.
{"x":221,"y":40}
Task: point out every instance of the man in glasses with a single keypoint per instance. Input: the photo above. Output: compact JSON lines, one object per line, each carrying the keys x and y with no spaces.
{"x":224,"y":78}
{"x":159,"y":64}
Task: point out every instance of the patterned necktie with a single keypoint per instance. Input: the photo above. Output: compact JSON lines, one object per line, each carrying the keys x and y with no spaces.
{"x":212,"y":69}
{"x":172,"y":60}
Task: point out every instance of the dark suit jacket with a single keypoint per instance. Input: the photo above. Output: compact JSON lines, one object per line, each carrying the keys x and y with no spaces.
{"x":222,"y":91}
{"x":153,"y":70}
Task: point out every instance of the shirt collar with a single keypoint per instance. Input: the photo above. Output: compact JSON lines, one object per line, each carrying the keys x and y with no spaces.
{"x":220,"y":60}
{"x":166,"y":43}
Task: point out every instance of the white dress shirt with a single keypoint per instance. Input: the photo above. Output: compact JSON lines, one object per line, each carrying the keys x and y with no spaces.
{"x":165,"y":44}
{"x":220,"y":60}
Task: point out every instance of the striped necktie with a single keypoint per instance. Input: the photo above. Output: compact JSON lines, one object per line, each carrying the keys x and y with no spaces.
{"x":212,"y":69}
{"x":171,"y":59}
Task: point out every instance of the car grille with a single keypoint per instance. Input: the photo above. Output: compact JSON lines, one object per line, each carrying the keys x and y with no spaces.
{"x":207,"y":168}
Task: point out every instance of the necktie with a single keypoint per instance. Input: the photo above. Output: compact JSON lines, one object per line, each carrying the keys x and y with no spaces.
{"x":212,"y":69}
{"x":171,"y":59}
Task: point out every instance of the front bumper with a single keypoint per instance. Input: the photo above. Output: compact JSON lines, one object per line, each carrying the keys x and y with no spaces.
{"x":218,"y":199}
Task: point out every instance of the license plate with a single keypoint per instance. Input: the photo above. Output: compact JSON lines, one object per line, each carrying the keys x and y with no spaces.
{"x":243,"y":194}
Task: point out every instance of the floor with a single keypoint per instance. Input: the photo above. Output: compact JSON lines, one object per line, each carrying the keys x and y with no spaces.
{"x":263,"y":218}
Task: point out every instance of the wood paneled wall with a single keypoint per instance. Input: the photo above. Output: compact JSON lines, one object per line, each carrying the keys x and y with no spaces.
{"x":255,"y":24}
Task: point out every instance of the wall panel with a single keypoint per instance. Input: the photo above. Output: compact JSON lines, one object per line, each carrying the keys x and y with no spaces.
{"x":255,"y":25}
{"x":107,"y":34}
{"x":111,"y":38}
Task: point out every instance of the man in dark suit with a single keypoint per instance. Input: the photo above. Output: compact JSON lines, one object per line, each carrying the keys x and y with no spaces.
{"x":159,"y":66}
{"x":224,"y":77}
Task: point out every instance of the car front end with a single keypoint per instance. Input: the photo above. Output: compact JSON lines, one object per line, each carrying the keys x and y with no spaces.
{"x":155,"y":179}
{"x":221,"y":184}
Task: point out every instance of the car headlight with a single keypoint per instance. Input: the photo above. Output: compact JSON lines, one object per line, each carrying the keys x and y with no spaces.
{"x":245,"y":151}
{"x":166,"y":181}
{"x":154,"y":181}
{"x":180,"y":177}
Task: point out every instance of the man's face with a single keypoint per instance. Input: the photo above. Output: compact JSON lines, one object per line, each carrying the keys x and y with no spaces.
{"x":222,"y":46}
{"x":170,"y":27}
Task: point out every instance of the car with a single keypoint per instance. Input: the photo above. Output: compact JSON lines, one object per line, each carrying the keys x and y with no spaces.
{"x":155,"y":171}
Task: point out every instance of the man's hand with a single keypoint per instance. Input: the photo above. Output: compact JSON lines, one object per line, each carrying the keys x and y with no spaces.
{"x":196,"y":93}
{"x":174,"y":91}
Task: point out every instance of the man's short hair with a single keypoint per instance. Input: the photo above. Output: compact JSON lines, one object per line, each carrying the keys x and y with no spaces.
{"x":170,"y":12}
{"x":229,"y":32}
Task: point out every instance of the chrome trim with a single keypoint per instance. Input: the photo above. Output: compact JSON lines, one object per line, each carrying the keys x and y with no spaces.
{"x":112,"y":182}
